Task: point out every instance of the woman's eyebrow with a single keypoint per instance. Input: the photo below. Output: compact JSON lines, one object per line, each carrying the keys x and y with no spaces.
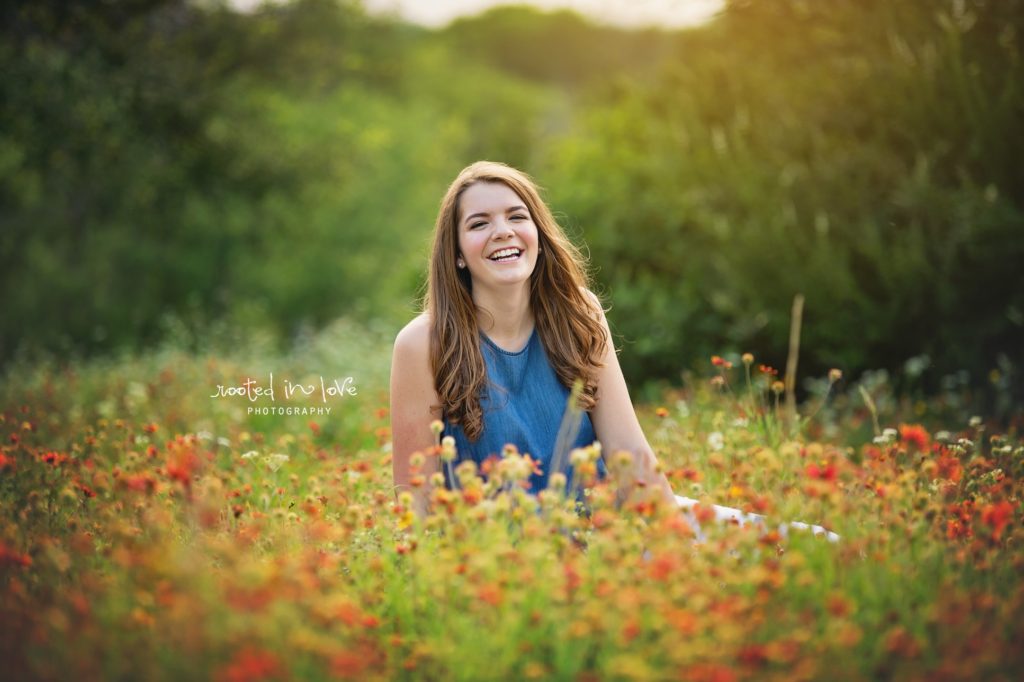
{"x":485,"y":215}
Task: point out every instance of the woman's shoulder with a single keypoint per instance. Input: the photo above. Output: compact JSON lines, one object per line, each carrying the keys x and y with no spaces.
{"x":597,"y":308}
{"x":415,"y":336}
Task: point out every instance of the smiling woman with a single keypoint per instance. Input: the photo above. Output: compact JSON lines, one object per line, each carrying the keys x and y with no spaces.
{"x":509,"y":325}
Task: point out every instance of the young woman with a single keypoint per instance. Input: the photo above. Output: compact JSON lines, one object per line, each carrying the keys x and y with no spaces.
{"x":508,"y":325}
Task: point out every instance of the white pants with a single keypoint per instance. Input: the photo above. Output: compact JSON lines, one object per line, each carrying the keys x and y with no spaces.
{"x":728,"y":515}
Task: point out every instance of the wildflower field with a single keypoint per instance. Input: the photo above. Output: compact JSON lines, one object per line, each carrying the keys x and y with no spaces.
{"x":150,"y":531}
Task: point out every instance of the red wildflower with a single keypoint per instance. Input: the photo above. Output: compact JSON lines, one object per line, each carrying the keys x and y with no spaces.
{"x":10,"y":557}
{"x":997,"y":516}
{"x":959,"y":526}
{"x":718,"y":361}
{"x":314,"y":427}
{"x":630,"y":630}
{"x":644,"y":507}
{"x":690,"y":475}
{"x":915,"y":435}
{"x":143,"y":483}
{"x":753,"y":655}
{"x":949,"y":467}
{"x":349,"y":664}
{"x":824,"y":473}
{"x":54,"y":458}
{"x":956,"y":529}
{"x":708,"y":672}
{"x":251,"y":664}
{"x":86,"y":490}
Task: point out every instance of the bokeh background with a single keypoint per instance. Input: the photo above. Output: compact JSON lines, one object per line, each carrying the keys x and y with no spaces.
{"x":210,"y":171}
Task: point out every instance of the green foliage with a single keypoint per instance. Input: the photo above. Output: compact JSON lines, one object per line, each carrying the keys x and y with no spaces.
{"x":166,"y":162}
{"x":859,"y":153}
{"x":275,"y":170}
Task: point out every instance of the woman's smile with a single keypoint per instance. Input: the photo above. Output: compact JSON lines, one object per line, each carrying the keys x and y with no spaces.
{"x":509,"y":255}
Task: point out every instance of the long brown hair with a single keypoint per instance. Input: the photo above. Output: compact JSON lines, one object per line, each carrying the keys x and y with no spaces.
{"x":564,"y":315}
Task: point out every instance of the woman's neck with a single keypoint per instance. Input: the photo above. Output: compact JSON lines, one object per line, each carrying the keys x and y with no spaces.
{"x":507,"y":317}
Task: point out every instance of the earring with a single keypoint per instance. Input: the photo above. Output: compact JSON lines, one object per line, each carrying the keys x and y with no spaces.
{"x":460,"y":263}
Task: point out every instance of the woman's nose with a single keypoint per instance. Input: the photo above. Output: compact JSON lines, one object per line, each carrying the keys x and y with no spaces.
{"x":503,"y":229}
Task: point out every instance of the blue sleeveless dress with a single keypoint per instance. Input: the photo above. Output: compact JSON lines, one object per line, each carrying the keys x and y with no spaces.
{"x":523,"y":404}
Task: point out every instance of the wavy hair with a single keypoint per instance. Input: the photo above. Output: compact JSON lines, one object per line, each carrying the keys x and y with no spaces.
{"x":565,"y":316}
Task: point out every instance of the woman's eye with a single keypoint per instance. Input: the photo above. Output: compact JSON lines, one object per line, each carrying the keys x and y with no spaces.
{"x":476,"y":225}
{"x":518,"y":217}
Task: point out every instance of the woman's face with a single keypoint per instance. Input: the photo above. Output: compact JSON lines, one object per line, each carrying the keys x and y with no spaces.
{"x":497,"y":236}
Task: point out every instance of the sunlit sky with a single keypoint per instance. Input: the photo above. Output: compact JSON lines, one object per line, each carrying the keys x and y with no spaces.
{"x":633,"y":13}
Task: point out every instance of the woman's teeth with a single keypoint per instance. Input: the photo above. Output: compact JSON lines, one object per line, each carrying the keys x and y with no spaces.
{"x":506,"y":255}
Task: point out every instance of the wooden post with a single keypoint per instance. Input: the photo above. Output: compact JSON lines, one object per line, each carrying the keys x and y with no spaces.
{"x":794,"y":354}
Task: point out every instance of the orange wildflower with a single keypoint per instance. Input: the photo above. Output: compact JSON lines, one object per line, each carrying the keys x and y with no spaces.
{"x":662,"y":567}
{"x":490,"y":594}
{"x":181,"y":466}
{"x":572,"y":578}
{"x":705,"y":513}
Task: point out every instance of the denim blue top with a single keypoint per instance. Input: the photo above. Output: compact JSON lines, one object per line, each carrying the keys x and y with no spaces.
{"x":523,"y":404}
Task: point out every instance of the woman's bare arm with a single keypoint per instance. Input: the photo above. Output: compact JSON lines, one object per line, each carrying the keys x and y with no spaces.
{"x":412,"y":395}
{"x":618,"y":428}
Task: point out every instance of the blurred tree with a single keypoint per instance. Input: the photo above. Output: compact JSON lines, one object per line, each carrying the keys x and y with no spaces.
{"x":279,"y":167}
